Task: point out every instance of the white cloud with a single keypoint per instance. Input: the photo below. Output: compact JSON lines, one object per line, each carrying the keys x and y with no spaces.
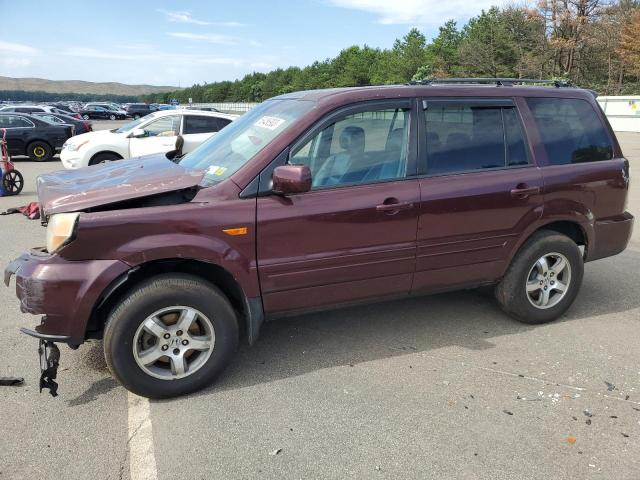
{"x":206,"y":37}
{"x":187,"y":17}
{"x":417,"y":12}
{"x":8,"y":47}
{"x":13,"y":62}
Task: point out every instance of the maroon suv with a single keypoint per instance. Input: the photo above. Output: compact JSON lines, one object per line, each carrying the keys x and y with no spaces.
{"x":318,"y":199}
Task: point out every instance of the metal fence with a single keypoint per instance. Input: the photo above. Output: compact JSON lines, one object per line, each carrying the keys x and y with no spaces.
{"x":236,"y":107}
{"x":623,"y":112}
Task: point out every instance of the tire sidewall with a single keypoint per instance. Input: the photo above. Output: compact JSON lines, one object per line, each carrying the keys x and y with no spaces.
{"x":125,"y":320}
{"x":511,"y":292}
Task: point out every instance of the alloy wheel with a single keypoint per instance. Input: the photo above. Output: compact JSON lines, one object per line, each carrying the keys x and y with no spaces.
{"x":173,"y":342}
{"x":548,"y":281}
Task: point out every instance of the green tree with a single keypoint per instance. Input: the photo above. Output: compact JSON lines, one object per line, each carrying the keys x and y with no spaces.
{"x":442,"y":53}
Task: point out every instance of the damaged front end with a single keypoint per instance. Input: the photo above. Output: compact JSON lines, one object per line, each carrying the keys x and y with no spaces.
{"x":63,"y":291}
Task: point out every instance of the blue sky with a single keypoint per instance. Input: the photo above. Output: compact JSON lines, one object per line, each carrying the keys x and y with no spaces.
{"x":184,"y":42}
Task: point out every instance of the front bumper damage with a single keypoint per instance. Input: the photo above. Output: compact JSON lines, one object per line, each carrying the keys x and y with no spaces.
{"x":64,"y":294}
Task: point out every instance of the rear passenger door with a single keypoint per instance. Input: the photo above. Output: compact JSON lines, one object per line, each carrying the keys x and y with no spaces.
{"x":19,"y":132}
{"x":479,"y":190}
{"x":198,"y":128}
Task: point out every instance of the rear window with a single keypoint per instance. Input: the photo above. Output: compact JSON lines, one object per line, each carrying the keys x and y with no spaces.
{"x":570,"y":130}
{"x":196,"y":124}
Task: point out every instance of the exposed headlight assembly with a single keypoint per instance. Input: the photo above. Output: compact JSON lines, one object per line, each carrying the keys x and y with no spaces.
{"x":61,"y":230}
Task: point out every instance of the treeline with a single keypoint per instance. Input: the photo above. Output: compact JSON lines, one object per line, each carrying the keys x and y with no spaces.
{"x":23,"y":95}
{"x":593,"y":43}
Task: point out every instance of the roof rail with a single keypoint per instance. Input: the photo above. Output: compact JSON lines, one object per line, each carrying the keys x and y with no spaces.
{"x":500,"y":82}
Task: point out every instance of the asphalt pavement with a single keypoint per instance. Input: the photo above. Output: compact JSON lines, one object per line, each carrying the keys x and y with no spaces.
{"x":444,"y":386}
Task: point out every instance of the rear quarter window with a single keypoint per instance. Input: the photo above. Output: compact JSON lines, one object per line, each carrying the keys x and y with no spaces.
{"x":571,"y":130}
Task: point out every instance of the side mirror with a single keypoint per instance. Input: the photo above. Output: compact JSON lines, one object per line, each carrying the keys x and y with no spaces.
{"x":289,"y":179}
{"x":139,"y":133}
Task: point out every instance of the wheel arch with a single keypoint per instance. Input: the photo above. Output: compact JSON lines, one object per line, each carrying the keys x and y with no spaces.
{"x":105,"y":151}
{"x":570,"y":227}
{"x":248,"y":310}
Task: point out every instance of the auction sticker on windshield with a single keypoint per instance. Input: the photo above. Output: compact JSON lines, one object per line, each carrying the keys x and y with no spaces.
{"x":270,"y":123}
{"x":216,"y":170}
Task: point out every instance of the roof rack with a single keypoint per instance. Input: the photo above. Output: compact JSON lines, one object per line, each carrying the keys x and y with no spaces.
{"x":500,"y":82}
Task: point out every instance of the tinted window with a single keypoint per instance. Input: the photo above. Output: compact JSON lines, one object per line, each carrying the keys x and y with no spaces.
{"x":360,"y":148}
{"x":27,"y":110}
{"x":570,"y":130}
{"x":194,"y":124}
{"x":164,"y":127}
{"x":462,"y":138}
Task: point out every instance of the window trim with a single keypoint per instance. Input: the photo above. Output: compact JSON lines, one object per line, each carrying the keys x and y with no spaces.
{"x":496,"y":102}
{"x":408,"y":103}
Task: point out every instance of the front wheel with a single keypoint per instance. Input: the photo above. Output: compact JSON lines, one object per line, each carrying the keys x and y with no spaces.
{"x":170,"y":336}
{"x":86,"y":117}
{"x":543,"y":280}
{"x":112,"y":117}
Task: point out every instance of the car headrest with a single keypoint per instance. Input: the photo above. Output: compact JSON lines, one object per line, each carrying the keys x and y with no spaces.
{"x":395,"y":140}
{"x":352,"y":139}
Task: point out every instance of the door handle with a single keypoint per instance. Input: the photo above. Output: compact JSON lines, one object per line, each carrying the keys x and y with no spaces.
{"x":523,"y":191}
{"x":394,"y":207}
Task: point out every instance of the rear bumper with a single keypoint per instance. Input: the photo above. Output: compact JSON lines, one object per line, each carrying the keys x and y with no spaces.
{"x":63,"y":292}
{"x":610,"y":236}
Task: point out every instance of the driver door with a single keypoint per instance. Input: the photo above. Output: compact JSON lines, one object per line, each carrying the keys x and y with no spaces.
{"x":160,"y":136}
{"x":353,"y":236}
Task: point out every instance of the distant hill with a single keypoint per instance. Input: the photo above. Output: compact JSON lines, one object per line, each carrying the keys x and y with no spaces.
{"x":79,"y":86}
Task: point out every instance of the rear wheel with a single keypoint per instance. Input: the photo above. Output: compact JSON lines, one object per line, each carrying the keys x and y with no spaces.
{"x":104,"y":158}
{"x":112,"y":117}
{"x":86,"y":117}
{"x":543,"y":280}
{"x":39,"y":151}
{"x":171,"y":335}
{"x":136,"y":116}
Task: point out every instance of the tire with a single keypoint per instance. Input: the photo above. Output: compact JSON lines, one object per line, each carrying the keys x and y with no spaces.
{"x":86,"y":117}
{"x":104,"y":158}
{"x":112,"y":117}
{"x":521,"y":293}
{"x":39,"y":151}
{"x":165,"y":295}
{"x":12,"y":182}
{"x":136,"y":116}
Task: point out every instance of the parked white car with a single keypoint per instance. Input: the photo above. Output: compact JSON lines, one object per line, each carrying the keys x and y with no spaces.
{"x":154,"y":133}
{"x":24,"y":108}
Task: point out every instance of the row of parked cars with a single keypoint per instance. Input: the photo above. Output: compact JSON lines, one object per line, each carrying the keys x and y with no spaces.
{"x":39,"y":134}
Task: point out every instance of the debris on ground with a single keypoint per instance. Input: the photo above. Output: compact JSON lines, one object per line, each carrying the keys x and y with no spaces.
{"x":275,"y":452}
{"x":507,"y":412}
{"x":11,"y":381}
{"x":378,"y":468}
{"x":588,"y":422}
{"x":610,"y":386}
{"x":571,"y":440}
{"x":588,"y":413}
{"x":624,"y":435}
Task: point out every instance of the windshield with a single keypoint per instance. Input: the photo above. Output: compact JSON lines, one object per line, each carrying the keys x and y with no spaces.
{"x":127,"y":127}
{"x":232,"y":147}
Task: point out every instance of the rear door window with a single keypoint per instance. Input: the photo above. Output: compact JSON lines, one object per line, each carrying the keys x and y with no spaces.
{"x":201,"y":124}
{"x":466,"y":136}
{"x":570,"y":130}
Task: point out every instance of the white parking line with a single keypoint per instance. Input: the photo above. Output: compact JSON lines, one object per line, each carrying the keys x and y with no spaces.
{"x":142,"y":459}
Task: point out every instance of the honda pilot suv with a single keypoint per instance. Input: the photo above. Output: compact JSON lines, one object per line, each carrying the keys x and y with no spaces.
{"x":323,"y":198}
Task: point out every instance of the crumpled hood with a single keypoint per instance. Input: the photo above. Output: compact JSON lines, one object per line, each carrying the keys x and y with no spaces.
{"x":73,"y":190}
